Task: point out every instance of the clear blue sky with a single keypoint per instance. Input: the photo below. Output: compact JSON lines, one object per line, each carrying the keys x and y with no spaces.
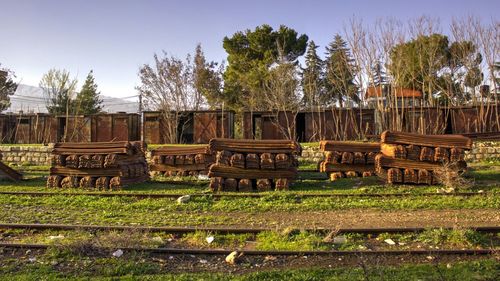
{"x":114,"y":38}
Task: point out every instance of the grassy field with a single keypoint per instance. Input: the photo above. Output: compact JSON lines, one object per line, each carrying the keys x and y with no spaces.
{"x":137,"y":268}
{"x":285,"y":212}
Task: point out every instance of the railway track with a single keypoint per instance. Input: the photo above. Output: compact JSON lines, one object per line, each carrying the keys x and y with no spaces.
{"x":183,"y":229}
{"x":241,"y":195}
{"x":224,"y":252}
{"x":193,"y":252}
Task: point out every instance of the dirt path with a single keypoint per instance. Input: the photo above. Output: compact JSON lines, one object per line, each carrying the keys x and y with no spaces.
{"x":366,"y":218}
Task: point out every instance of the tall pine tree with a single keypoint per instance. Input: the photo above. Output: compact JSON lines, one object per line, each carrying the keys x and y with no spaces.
{"x":312,"y":78}
{"x":340,"y":73}
{"x":378,"y":75}
{"x":88,"y":100}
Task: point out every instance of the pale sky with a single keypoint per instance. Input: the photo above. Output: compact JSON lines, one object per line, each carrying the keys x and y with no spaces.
{"x":114,"y":38}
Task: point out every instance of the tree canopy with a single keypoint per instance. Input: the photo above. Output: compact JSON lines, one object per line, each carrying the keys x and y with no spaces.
{"x":58,"y":88}
{"x":429,"y":63}
{"x":312,"y":77}
{"x":7,"y":88}
{"x":88,"y":100}
{"x":340,"y":73}
{"x":250,"y":56}
{"x":207,"y":78}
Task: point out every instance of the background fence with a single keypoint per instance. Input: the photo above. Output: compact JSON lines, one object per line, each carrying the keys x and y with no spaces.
{"x":201,"y":126}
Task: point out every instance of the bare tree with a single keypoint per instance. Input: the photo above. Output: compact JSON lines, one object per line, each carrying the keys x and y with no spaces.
{"x":167,"y":86}
{"x":486,"y":38}
{"x":59,"y":90}
{"x":282,"y":97}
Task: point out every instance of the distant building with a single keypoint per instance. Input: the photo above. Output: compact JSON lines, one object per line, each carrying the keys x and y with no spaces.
{"x":384,"y":94}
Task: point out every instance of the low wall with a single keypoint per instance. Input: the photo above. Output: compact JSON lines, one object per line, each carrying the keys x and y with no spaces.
{"x":481,"y":150}
{"x":26,"y":155}
{"x":40,"y":155}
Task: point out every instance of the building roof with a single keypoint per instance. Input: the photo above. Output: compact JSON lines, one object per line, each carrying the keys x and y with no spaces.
{"x":377,"y":91}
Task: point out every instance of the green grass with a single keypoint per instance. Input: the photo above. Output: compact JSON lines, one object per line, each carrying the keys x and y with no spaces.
{"x":480,"y":175}
{"x":485,"y":178}
{"x":198,"y":239}
{"x":287,"y":239}
{"x":136,"y":268}
{"x":204,"y":211}
{"x":454,"y":237}
{"x":208,"y":210}
{"x":21,"y":144}
{"x":309,"y":144}
{"x":307,"y":165}
{"x":297,"y":240}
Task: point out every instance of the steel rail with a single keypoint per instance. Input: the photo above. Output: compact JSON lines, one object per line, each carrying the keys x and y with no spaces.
{"x":181,"y":251}
{"x":187,"y":229}
{"x":219,"y":195}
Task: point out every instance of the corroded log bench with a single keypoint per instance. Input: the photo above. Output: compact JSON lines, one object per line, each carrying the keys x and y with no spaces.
{"x":253,"y":165}
{"x":97,"y":165}
{"x":181,"y":161}
{"x":419,"y":159}
{"x":348,"y":159}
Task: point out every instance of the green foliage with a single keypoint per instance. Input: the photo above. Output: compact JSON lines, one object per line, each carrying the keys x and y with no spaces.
{"x":340,"y":73}
{"x":429,"y":63}
{"x":378,"y":76}
{"x":207,"y":78}
{"x":250,"y":55}
{"x":58,"y":89}
{"x":312,"y":78}
{"x":87,"y":100}
{"x":7,"y":88}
